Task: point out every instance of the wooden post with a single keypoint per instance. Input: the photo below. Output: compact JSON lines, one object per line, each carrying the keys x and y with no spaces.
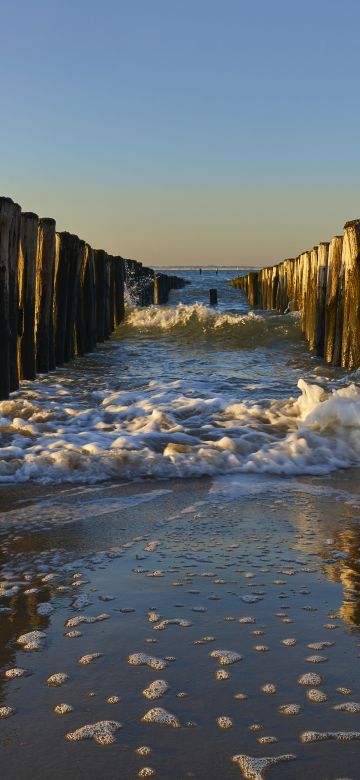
{"x":80,"y":337}
{"x":9,"y":250}
{"x":14,"y":243}
{"x":108,"y":295}
{"x":89,"y":298}
{"x":253,"y":288}
{"x":27,"y":294}
{"x":156,"y":289}
{"x":100,"y":288}
{"x":76,"y":255}
{"x":332,"y":321}
{"x":45,"y":271}
{"x":119,"y":290}
{"x":350,"y":350}
{"x":321,"y":282}
{"x":213,"y":296}
{"x":68,"y":259}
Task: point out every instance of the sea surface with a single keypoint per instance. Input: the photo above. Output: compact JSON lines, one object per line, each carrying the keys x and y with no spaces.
{"x":186,"y":390}
{"x":180,"y":527}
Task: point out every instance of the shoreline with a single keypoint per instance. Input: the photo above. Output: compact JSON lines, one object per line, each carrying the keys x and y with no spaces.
{"x":283,"y":541}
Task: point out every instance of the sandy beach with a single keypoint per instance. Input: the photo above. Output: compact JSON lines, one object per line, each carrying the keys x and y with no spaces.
{"x":265,"y":571}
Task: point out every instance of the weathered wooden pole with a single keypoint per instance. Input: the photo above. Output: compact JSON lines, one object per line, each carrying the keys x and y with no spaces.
{"x":89,"y":300}
{"x":119,"y":290}
{"x":100,"y":288}
{"x":350,"y":349}
{"x":27,"y":294}
{"x":333,"y":323}
{"x":80,"y":327}
{"x":9,"y":252}
{"x":157,"y":295}
{"x":321,"y":284}
{"x":14,"y":297}
{"x":76,"y":255}
{"x":213,"y":298}
{"x":45,"y":272}
{"x":68,"y":260}
{"x":108,"y":296}
{"x":253,"y":288}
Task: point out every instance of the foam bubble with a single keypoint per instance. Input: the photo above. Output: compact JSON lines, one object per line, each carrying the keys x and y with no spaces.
{"x":320,"y":645}
{"x":89,"y":658}
{"x":313,"y":694}
{"x":269,"y":688}
{"x":254,"y":768}
{"x":142,"y":659}
{"x":162,"y":717}
{"x":103,"y":732}
{"x":289,"y":709}
{"x":16,"y":672}
{"x":267,"y":740}
{"x":224,"y":722}
{"x":60,"y":678}
{"x":310,"y":678}
{"x":76,"y":621}
{"x":6,"y":712}
{"x":33,"y":640}
{"x":348,"y":706}
{"x":171,"y":622}
{"x":222,"y":674}
{"x":226,"y":657}
{"x":322,"y":736}
{"x":143,"y":750}
{"x":156,"y":689}
{"x":63,"y":709}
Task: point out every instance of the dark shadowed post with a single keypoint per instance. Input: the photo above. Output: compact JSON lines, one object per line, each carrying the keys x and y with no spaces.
{"x":14,"y":241}
{"x":27,"y":294}
{"x":213,"y":298}
{"x":45,"y":270}
{"x":9,"y":246}
{"x":100,"y":282}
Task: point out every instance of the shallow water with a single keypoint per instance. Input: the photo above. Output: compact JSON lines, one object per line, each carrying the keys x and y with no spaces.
{"x":265,"y":526}
{"x":185,"y":390}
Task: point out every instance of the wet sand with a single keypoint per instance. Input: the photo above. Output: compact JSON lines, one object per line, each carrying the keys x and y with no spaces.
{"x":265,"y":569}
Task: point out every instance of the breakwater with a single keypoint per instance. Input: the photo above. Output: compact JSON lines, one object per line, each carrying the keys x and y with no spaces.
{"x":59,"y":297}
{"x":324,"y":285}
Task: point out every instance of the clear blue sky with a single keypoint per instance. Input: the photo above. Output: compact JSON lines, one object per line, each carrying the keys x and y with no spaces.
{"x":184,"y":130}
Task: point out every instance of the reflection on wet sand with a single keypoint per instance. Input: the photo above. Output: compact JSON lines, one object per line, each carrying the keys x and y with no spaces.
{"x":182,"y":634}
{"x":346,"y":570}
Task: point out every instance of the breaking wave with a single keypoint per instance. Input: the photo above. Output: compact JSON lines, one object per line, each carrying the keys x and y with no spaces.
{"x":198,"y":319}
{"x":174,"y":429}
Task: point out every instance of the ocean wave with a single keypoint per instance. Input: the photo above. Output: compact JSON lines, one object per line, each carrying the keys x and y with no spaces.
{"x":175,"y":429}
{"x":199,"y":319}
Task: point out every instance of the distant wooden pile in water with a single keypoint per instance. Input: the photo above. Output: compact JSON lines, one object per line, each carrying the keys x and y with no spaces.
{"x":324,"y":285}
{"x":58,"y":296}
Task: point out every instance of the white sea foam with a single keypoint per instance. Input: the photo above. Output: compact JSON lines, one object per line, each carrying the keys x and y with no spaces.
{"x":177,"y":427}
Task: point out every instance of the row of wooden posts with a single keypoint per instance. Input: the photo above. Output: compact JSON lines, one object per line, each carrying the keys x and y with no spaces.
{"x":324,"y":285}
{"x":58,"y":296}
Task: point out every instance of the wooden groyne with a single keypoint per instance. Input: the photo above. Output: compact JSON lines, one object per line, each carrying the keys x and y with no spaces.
{"x":58,"y":296}
{"x":323,"y":284}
